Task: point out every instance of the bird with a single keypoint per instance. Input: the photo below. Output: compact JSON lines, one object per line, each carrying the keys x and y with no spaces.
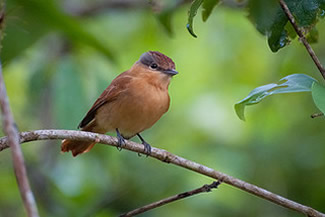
{"x":133,"y":102}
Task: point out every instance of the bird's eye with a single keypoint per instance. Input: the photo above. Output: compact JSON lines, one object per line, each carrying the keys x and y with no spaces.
{"x":154,"y":66}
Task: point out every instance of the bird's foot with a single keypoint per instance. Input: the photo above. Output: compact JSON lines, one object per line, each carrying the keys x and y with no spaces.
{"x":147,"y":147}
{"x":121,"y":140}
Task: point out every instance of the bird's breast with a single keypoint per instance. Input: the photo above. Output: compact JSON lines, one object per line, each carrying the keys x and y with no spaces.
{"x":136,"y":109}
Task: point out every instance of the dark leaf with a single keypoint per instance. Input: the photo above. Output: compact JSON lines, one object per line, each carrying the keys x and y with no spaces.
{"x":191,"y":14}
{"x":208,"y":6}
{"x":271,"y":21}
{"x":305,"y":11}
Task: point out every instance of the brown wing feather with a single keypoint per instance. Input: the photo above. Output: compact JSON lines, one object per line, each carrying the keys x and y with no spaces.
{"x":110,"y":94}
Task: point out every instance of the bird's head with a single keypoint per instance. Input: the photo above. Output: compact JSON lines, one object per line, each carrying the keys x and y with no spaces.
{"x":156,"y":62}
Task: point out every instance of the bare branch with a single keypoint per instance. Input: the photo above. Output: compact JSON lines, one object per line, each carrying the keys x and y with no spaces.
{"x":302,"y":37}
{"x":17,"y":156}
{"x":204,"y":188}
{"x":167,"y":157}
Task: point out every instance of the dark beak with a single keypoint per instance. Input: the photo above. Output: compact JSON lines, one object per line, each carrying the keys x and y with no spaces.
{"x":171,"y":72}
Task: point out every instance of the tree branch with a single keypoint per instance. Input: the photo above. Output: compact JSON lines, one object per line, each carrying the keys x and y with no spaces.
{"x":302,"y":37}
{"x":204,"y":188}
{"x":167,"y":157}
{"x":17,"y":156}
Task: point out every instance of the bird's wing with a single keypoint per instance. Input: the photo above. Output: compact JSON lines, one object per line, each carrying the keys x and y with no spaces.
{"x":110,"y":94}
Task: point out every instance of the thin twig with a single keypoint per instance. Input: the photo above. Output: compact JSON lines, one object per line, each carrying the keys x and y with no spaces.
{"x":166,"y":157}
{"x":204,"y":188}
{"x":302,"y":37}
{"x":17,"y":156}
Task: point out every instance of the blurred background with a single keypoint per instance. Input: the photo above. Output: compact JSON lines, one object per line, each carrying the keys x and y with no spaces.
{"x":58,"y":57}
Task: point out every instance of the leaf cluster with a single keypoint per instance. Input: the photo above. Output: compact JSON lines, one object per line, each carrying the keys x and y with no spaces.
{"x":270,"y":20}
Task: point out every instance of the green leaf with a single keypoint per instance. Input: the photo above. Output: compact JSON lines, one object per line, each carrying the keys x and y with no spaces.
{"x":208,"y":6}
{"x":45,"y":16}
{"x":278,"y":37}
{"x":191,"y":14}
{"x":165,"y":16}
{"x":164,"y":19}
{"x":290,"y":31}
{"x":318,"y":94}
{"x":321,"y":4}
{"x":305,"y":11}
{"x":313,"y":35}
{"x":20,"y":33}
{"x":270,"y":20}
{"x":289,"y":84}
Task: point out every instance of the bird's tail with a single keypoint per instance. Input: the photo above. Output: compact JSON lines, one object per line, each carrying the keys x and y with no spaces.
{"x":79,"y":147}
{"x":76,"y":147}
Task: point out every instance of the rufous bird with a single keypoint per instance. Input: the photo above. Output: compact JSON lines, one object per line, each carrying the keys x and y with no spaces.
{"x":133,"y":102}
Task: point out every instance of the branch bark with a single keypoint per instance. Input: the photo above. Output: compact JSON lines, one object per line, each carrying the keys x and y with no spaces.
{"x":166,"y":157}
{"x":302,"y":37}
{"x":17,"y":156}
{"x":204,"y":188}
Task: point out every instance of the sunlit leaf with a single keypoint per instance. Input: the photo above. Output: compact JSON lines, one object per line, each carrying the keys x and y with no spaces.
{"x":318,"y":94}
{"x":191,"y":14}
{"x":208,"y":6}
{"x":289,"y":84}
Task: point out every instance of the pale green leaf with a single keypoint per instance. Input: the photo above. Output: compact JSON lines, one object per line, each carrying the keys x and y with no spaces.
{"x":289,"y":84}
{"x":318,"y":94}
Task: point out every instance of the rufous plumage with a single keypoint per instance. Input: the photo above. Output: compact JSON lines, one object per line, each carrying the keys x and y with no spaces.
{"x":133,"y":102}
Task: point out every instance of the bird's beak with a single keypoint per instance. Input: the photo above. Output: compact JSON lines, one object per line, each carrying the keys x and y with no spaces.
{"x":171,"y":72}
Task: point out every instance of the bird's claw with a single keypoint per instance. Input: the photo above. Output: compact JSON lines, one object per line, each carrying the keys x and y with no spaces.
{"x":120,"y":141}
{"x":147,"y":148}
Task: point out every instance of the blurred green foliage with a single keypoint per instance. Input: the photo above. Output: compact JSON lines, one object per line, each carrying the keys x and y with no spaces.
{"x":269,"y":18}
{"x":52,"y":81}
